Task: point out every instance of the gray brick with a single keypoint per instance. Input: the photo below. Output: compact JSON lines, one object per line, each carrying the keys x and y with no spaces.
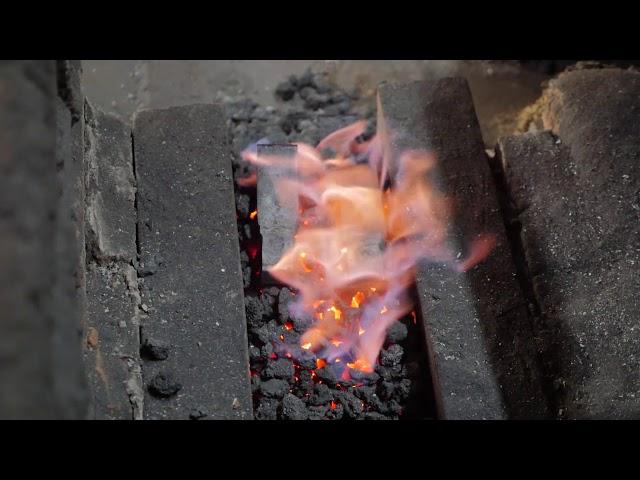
{"x":576,"y":193}
{"x":483,"y":369}
{"x":186,"y":215}
{"x":112,"y":333}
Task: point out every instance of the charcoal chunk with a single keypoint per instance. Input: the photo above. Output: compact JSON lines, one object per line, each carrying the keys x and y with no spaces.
{"x":197,"y":413}
{"x":254,"y":353}
{"x":293,"y":408}
{"x":280,"y":368}
{"x":255,"y":311}
{"x":307,"y":359}
{"x":163,"y":385}
{"x":255,"y":383}
{"x":322,"y":395}
{"x":274,"y":388}
{"x":392,"y":356}
{"x":353,"y":406}
{"x":243,"y":205}
{"x":285,"y":298}
{"x":152,"y":349}
{"x":315,"y":101}
{"x":397,"y":332}
{"x":374,"y":416}
{"x":335,"y":412}
{"x":286,"y":90}
{"x":368,"y":378}
{"x":267,"y":409}
{"x":327,"y":375}
{"x":318,"y":412}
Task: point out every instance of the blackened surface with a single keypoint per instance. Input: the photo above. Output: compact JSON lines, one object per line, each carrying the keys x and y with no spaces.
{"x":477,"y":329}
{"x":194,"y":300}
{"x":576,"y":195}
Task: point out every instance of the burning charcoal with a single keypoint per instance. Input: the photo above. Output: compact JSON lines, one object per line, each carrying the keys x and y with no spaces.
{"x":368,"y":378}
{"x":392,"y":356}
{"x":327,"y":375}
{"x":318,"y":412}
{"x":254,"y":353}
{"x":152,"y":349}
{"x":321,"y":395}
{"x":274,"y":388}
{"x":305,"y":382}
{"x":286,"y":90}
{"x":268,"y":333}
{"x":267,"y":409}
{"x":352,"y":405}
{"x":280,"y":368}
{"x":255,"y":311}
{"x":285,"y":298}
{"x":335,"y":412}
{"x":301,"y":323}
{"x":163,"y":386}
{"x":293,"y":408}
{"x":266,"y":351}
{"x":291,"y":337}
{"x":197,"y":414}
{"x":269,"y":302}
{"x":397,"y":332}
{"x":242,"y":205}
{"x":389,"y":373}
{"x":369,"y":396}
{"x":307,"y":359}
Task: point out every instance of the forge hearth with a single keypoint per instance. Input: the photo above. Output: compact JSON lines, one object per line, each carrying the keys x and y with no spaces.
{"x":161,"y":248}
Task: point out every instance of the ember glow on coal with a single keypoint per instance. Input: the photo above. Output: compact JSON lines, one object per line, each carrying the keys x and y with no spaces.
{"x":360,"y":236}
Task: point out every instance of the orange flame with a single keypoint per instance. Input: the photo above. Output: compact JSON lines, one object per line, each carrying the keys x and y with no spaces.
{"x":356,"y":236}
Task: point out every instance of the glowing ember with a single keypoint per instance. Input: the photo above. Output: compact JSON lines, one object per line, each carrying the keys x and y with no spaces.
{"x":320,"y":362}
{"x":348,"y":208}
{"x":288,"y":326}
{"x":253,"y":215}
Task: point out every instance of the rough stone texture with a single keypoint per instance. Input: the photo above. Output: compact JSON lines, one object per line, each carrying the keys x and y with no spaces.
{"x":38,"y":341}
{"x":186,"y":215}
{"x":112,"y":333}
{"x":278,"y":222}
{"x":477,"y":327}
{"x":576,"y":192}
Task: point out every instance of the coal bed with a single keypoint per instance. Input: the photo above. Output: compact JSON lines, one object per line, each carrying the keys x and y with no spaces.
{"x":287,"y":381}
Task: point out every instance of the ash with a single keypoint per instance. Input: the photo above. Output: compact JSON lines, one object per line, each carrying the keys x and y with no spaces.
{"x":288,"y":382}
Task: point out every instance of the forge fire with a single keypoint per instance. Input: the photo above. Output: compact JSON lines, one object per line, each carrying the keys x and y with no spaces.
{"x":360,"y":235}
